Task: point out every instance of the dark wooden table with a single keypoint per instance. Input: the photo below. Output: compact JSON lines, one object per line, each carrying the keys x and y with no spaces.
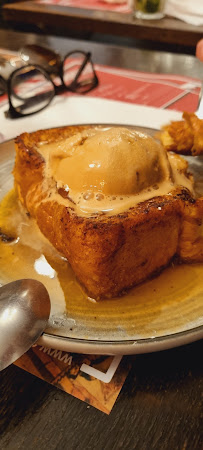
{"x":160,"y":405}
{"x":159,"y":408}
{"x":54,"y":17}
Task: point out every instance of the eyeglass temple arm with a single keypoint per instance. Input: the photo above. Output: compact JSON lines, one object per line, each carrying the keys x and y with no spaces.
{"x":3,"y":84}
{"x":87,"y":58}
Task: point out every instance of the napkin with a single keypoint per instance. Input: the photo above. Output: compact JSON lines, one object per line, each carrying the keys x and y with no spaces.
{"x":73,"y":110}
{"x":190,"y":11}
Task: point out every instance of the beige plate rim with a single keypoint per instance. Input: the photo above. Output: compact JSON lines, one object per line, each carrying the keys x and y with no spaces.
{"x":130,"y":347}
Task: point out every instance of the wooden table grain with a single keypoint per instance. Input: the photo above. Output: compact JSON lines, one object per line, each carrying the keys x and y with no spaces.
{"x":166,"y":30}
{"x":160,"y":405}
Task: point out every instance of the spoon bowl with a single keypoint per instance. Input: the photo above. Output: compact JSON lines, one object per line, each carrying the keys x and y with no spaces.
{"x":24,"y":313}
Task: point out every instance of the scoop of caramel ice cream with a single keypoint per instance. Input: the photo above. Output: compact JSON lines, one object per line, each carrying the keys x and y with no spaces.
{"x":109,"y":169}
{"x":116,"y":161}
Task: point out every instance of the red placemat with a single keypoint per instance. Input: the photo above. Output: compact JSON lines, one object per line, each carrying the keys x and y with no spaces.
{"x":165,"y":91}
{"x":150,"y":89}
{"x":91,"y":4}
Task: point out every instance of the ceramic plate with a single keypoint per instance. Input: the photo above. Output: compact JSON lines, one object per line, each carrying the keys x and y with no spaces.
{"x":162,"y":313}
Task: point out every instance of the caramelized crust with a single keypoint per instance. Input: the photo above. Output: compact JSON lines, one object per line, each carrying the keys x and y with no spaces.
{"x":109,"y":254}
{"x":185,"y":136}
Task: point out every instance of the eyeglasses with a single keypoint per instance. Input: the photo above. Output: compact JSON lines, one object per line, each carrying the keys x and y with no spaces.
{"x":31,"y":87}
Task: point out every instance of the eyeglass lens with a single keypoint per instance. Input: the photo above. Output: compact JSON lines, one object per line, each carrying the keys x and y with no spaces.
{"x":80,"y":81}
{"x":31,"y":90}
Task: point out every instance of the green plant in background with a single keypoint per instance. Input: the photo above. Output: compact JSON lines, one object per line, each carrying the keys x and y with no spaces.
{"x":148,"y":6}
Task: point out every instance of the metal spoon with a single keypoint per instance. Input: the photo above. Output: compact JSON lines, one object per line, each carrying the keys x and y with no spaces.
{"x":24,"y":313}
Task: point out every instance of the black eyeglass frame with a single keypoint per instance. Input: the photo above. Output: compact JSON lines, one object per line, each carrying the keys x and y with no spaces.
{"x":13,"y":112}
{"x":4,"y":85}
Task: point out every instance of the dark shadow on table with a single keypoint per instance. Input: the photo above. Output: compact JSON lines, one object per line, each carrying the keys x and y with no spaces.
{"x":19,"y":393}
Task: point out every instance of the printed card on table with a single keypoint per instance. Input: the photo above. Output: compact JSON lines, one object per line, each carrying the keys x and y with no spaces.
{"x":165,"y":91}
{"x":96,"y":380}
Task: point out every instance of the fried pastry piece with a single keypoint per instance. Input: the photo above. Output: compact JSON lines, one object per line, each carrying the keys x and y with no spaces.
{"x":108,"y":253}
{"x":185,"y":136}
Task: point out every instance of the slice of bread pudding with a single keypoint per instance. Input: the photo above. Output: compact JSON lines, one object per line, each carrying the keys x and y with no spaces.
{"x":111,"y":200}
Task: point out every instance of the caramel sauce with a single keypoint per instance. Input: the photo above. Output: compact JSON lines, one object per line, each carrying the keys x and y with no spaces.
{"x":157,"y":307}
